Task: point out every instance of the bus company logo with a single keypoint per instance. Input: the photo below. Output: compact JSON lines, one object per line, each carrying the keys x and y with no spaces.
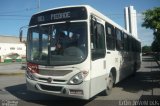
{"x":49,"y":80}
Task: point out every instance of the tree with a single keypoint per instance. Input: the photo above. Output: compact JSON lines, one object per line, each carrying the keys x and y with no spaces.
{"x":146,"y":49}
{"x":155,"y":46}
{"x":152,"y":21}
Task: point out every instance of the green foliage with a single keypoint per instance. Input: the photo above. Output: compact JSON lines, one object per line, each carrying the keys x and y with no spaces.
{"x":155,"y":46}
{"x":152,"y":21}
{"x":152,"y":18}
{"x":146,"y":49}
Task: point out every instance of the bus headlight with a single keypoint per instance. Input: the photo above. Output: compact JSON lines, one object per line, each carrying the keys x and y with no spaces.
{"x":78,"y":78}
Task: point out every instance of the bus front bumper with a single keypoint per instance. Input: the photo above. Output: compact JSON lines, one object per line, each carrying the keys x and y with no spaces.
{"x":80,"y":91}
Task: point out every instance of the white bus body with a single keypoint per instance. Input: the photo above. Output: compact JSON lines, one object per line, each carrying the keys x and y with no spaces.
{"x":104,"y":53}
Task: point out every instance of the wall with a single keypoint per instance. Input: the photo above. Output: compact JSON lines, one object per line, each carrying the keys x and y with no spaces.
{"x":8,"y":49}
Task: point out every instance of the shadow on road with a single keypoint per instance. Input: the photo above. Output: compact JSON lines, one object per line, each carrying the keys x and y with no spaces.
{"x":141,"y":81}
{"x":21,"y":93}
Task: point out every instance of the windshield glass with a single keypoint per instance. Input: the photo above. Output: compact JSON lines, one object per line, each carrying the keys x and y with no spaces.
{"x":57,"y":44}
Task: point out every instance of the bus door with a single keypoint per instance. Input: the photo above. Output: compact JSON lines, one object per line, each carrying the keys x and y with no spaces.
{"x":98,"y":52}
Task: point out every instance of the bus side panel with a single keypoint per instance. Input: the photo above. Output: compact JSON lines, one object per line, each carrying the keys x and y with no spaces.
{"x":98,"y":77}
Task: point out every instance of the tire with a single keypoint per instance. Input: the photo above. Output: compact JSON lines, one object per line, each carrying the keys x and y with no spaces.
{"x":110,"y":82}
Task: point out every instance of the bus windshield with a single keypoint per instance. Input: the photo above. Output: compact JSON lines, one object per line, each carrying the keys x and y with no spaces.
{"x":57,"y":44}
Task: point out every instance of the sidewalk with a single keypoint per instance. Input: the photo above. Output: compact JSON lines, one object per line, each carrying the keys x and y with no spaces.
{"x":11,"y":69}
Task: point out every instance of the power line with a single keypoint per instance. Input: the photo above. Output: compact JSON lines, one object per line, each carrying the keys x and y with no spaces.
{"x":14,"y":18}
{"x":11,"y":14}
{"x":10,"y":19}
{"x":119,"y":14}
{"x":16,"y":15}
{"x":16,"y":11}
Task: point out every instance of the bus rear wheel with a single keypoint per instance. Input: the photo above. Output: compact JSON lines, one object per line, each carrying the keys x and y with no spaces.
{"x":109,"y":86}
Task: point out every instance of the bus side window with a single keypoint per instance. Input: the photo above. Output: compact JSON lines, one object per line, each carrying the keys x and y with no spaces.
{"x":126,"y":43}
{"x":119,"y":40}
{"x":97,"y":40}
{"x":130,"y":44}
{"x":110,"y":39}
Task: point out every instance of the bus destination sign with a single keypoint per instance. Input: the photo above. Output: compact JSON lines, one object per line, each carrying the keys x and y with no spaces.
{"x":64,"y":14}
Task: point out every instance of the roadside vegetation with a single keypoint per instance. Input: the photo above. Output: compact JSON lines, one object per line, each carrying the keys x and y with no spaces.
{"x":152,"y":21}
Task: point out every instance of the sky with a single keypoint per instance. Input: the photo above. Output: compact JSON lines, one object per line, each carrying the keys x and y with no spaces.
{"x":16,"y":13}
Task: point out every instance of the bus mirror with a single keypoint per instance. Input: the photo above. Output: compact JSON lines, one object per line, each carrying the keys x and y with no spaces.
{"x":20,"y":35}
{"x":93,"y":25}
{"x":23,"y":31}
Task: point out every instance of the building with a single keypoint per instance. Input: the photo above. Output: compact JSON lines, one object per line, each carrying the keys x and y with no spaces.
{"x":11,"y":49}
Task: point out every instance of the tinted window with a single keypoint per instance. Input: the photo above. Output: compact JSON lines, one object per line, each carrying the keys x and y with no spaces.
{"x":119,"y":40}
{"x":126,"y":45}
{"x":110,"y":39}
{"x":97,"y":41}
{"x":130,"y":43}
{"x":57,"y":44}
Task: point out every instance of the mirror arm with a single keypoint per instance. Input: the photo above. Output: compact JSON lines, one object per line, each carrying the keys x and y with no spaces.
{"x":21,"y":32}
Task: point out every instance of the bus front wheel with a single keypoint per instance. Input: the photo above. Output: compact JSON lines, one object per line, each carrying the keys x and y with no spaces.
{"x":109,"y":86}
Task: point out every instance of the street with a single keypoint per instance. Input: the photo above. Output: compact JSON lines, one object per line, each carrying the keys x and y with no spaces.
{"x":11,"y":68}
{"x":134,"y":90}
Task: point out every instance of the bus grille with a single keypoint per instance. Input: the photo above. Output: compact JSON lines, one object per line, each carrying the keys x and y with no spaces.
{"x":51,"y":88}
{"x":55,"y":80}
{"x":54,"y":72}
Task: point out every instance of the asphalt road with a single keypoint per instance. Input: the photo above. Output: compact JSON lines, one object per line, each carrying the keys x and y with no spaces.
{"x":10,"y":68}
{"x":143,"y":89}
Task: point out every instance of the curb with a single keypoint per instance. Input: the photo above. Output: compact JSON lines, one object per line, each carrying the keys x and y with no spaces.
{"x":12,"y":73}
{"x":3,"y":64}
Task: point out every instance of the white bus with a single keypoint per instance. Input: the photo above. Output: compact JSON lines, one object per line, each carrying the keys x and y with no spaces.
{"x":75,"y":51}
